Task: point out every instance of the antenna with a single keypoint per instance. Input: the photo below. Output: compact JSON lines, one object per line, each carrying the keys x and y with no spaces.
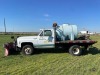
{"x":5,"y":25}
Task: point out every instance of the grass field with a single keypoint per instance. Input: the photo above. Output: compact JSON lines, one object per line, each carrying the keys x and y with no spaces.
{"x":50,"y":62}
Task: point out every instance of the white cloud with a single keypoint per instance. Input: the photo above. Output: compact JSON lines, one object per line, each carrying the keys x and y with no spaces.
{"x":46,"y":15}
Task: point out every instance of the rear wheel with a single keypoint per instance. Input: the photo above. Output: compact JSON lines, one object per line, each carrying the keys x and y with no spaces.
{"x":27,"y":50}
{"x":75,"y":50}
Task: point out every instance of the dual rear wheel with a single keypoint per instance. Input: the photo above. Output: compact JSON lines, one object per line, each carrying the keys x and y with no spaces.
{"x":75,"y":50}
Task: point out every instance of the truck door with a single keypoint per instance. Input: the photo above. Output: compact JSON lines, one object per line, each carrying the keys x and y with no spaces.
{"x":46,"y":39}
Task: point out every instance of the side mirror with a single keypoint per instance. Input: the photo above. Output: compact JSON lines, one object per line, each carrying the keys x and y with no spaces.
{"x":12,"y":37}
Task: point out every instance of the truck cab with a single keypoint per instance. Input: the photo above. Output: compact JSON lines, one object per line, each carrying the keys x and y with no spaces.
{"x":45,"y":39}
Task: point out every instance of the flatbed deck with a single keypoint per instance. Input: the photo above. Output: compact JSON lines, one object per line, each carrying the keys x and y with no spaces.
{"x":77,"y":41}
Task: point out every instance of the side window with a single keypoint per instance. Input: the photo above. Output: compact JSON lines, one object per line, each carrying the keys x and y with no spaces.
{"x":47,"y":33}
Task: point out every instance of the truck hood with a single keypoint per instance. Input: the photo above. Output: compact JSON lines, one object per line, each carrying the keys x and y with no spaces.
{"x":27,"y":37}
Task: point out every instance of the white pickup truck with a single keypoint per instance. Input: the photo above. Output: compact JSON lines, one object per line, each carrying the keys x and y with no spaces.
{"x":50,"y":38}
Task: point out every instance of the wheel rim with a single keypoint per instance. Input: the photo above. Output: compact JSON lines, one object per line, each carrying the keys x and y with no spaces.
{"x":76,"y":50}
{"x":28,"y":50}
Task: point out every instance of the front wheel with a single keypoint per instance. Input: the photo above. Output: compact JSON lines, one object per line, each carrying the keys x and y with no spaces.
{"x":27,"y":50}
{"x":75,"y":50}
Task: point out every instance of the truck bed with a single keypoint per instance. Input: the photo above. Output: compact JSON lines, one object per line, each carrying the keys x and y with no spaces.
{"x":76,"y":41}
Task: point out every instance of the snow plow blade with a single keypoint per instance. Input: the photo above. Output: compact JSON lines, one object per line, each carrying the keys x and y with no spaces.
{"x":9,"y":48}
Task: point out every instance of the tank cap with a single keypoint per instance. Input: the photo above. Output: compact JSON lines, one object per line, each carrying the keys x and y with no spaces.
{"x":54,"y":24}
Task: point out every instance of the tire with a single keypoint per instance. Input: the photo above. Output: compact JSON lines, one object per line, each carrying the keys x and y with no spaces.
{"x":75,"y":50}
{"x":27,"y":50}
